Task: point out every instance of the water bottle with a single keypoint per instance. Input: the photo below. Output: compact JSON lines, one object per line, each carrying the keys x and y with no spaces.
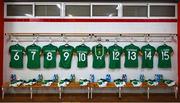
{"x":124,"y":77}
{"x":156,"y":77}
{"x":72,"y":78}
{"x":92,"y":78}
{"x":40,"y":78}
{"x":141,"y":78}
{"x":55,"y":78}
{"x":13,"y":77}
{"x":108,"y":77}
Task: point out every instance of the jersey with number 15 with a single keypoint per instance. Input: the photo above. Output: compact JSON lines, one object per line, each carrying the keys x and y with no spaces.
{"x":164,"y":54}
{"x":66,"y":54}
{"x":33,"y":54}
{"x":16,"y":52}
{"x":49,"y":52}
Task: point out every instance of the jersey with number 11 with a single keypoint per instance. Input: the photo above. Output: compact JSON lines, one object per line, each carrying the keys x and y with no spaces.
{"x":33,"y":54}
{"x":66,"y":54}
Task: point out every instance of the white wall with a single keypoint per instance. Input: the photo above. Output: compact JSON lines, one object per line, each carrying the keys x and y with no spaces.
{"x":34,"y":27}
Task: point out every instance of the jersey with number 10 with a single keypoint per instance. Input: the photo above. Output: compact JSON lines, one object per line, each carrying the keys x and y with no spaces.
{"x":82,"y":54}
{"x":33,"y":54}
{"x":115,"y":52}
{"x":148,"y":52}
{"x":66,"y":54}
{"x":16,"y":52}
{"x":49,"y":52}
{"x":131,"y":56}
{"x":164,"y":54}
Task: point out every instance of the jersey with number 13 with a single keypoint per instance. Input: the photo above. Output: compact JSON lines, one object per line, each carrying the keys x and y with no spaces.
{"x":16,"y":52}
{"x":131,"y":56}
{"x":66,"y":54}
{"x":33,"y":54}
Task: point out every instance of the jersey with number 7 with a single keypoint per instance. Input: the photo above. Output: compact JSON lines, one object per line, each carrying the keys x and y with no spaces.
{"x":131,"y":56}
{"x":164,"y":54}
{"x":33,"y":55}
{"x":148,"y":52}
{"x":16,"y":52}
{"x":49,"y":52}
{"x":66,"y":54}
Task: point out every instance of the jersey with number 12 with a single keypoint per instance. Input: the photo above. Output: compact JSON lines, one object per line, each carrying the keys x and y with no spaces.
{"x":49,"y":52}
{"x":16,"y":52}
{"x":115,"y":52}
{"x":66,"y":54}
{"x":164,"y":54}
{"x":148,"y":52}
{"x":33,"y":54}
{"x":131,"y":56}
{"x":82,"y":54}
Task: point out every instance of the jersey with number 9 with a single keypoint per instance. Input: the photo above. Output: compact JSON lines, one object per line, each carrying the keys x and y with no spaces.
{"x":148,"y":52}
{"x":16,"y":52}
{"x":164,"y":54}
{"x":66,"y":54}
{"x":49,"y":52}
{"x":131,"y":56}
{"x":82,"y":52}
{"x":115,"y":52}
{"x":33,"y":55}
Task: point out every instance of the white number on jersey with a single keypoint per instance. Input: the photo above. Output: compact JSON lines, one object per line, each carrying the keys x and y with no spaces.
{"x":115,"y":55}
{"x":16,"y":56}
{"x":49,"y":56}
{"x":66,"y":55}
{"x":165,"y":55}
{"x":82,"y":57}
{"x":148,"y":55}
{"x":33,"y":54}
{"x":131,"y":55}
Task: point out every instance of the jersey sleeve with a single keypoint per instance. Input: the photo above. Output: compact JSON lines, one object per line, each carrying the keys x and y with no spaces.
{"x":105,"y":50}
{"x":10,"y":49}
{"x":88,"y":49}
{"x":171,"y":49}
{"x":59,"y":49}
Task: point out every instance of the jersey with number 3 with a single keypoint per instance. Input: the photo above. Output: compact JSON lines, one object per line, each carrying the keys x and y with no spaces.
{"x":164,"y":54}
{"x":82,"y":52}
{"x":33,"y":54}
{"x":148,"y":52}
{"x":115,"y":52}
{"x":131,"y":56}
{"x":16,"y":52}
{"x":49,"y":52}
{"x":66,"y":54}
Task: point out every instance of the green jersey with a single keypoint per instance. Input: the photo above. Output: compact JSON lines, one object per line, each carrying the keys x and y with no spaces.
{"x":49,"y":52}
{"x":99,"y":53}
{"x":82,"y":54}
{"x":66,"y":53}
{"x":164,"y":53}
{"x":131,"y":56}
{"x":148,"y":52}
{"x":115,"y":52}
{"x":16,"y":52}
{"x":33,"y":55}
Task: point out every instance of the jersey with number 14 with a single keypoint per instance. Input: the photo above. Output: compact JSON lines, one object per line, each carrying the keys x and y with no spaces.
{"x":66,"y":54}
{"x":82,"y":54}
{"x":16,"y":52}
{"x":115,"y":52}
{"x":131,"y":56}
{"x":164,"y":54}
{"x":49,"y":52}
{"x":148,"y":52}
{"x":33,"y":54}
